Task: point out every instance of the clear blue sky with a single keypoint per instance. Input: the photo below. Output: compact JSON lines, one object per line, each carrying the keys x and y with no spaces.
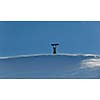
{"x":18,"y":38}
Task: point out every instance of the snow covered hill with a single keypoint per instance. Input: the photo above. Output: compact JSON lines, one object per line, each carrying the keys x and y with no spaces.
{"x":51,"y":66}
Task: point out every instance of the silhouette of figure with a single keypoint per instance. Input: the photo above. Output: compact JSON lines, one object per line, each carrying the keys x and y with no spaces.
{"x":54,"y":50}
{"x":54,"y":47}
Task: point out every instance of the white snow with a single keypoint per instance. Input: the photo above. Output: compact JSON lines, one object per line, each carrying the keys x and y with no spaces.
{"x":91,"y":63}
{"x":50,"y":66}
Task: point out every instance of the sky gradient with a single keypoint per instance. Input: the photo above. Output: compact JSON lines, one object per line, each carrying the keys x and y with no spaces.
{"x":22,"y":38}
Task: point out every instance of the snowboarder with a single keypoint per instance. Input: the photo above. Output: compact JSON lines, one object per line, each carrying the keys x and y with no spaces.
{"x":54,"y":47}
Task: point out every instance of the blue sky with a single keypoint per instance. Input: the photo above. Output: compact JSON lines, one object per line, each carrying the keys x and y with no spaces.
{"x":19,"y":38}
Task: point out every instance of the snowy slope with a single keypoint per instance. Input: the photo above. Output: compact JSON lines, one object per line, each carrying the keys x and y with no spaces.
{"x":51,"y":66}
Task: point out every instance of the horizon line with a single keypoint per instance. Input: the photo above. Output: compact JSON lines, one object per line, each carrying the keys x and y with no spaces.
{"x":58,"y":54}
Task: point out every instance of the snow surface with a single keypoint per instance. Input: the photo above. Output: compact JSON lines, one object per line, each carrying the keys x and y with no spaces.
{"x":67,"y":66}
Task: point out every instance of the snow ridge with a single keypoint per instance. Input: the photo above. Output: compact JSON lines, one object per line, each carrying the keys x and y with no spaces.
{"x":35,"y":55}
{"x":50,"y":66}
